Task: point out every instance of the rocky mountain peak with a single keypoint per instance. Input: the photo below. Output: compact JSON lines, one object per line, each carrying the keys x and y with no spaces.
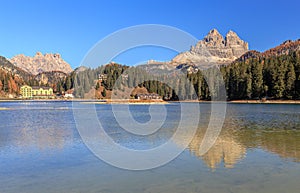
{"x":231,"y":33}
{"x":239,"y":47}
{"x":214,"y":33}
{"x":56,"y":55}
{"x":214,"y":48}
{"x":38,"y":54}
{"x":41,"y":63}
{"x":213,"y":38}
{"x":232,"y":38}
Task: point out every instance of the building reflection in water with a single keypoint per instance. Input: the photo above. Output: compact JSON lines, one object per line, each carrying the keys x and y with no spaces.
{"x":43,"y":138}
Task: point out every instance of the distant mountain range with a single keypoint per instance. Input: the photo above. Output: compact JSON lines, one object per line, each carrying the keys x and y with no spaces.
{"x":12,"y":77}
{"x":51,"y":69}
{"x":41,"y":63}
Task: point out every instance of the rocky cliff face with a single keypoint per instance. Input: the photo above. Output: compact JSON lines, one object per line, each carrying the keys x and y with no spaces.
{"x":50,"y":78}
{"x":41,"y":63}
{"x":214,"y":48}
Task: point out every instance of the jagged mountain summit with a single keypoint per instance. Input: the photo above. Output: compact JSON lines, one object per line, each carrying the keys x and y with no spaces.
{"x":213,"y":48}
{"x":41,"y":63}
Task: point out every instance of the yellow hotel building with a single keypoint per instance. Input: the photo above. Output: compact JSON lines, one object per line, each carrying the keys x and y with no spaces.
{"x":36,"y":92}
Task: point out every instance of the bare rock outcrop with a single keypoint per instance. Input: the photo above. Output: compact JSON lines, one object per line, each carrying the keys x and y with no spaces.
{"x":41,"y":63}
{"x":214,"y":48}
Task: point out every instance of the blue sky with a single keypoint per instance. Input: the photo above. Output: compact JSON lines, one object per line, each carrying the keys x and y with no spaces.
{"x":71,"y":28}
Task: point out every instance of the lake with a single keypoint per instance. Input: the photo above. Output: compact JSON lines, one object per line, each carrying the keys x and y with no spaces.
{"x":258,"y":150}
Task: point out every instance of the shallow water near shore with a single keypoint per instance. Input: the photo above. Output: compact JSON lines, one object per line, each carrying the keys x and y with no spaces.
{"x":258,"y":150}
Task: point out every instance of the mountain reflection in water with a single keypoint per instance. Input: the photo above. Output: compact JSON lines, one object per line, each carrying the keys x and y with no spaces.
{"x":50,"y":126}
{"x":232,"y":145}
{"x":258,"y":150}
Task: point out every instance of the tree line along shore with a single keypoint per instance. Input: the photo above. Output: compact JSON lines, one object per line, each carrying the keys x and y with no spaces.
{"x":263,"y":78}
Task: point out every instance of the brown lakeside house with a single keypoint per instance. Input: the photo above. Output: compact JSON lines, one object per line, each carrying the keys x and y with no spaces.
{"x":36,"y":92}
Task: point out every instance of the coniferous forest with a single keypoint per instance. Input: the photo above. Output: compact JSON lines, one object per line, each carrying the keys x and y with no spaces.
{"x":276,"y":77}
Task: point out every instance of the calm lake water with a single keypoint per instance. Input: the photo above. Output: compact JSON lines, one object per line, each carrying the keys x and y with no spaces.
{"x":41,"y":150}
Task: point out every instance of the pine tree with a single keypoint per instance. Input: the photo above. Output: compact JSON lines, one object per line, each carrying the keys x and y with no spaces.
{"x":68,"y":83}
{"x":257,"y":79}
{"x":86,"y":84}
{"x":104,"y":92}
{"x":97,"y":86}
{"x":199,"y":84}
{"x":279,"y":86}
{"x":249,"y":86}
{"x":290,"y":81}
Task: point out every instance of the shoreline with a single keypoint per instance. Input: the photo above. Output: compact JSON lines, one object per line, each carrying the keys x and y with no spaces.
{"x":247,"y":101}
{"x":135,"y":101}
{"x":125,"y":101}
{"x":265,"y":102}
{"x":91,"y":101}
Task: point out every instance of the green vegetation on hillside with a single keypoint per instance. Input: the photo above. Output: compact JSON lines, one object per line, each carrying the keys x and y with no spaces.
{"x":276,"y":77}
